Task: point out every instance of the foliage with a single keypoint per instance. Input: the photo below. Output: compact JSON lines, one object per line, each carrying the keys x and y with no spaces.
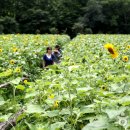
{"x":89,"y":90}
{"x":8,"y":25}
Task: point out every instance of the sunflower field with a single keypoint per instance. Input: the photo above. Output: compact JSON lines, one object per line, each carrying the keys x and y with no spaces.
{"x":88,"y":90}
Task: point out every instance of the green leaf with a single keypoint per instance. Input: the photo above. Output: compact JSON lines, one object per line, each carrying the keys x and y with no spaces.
{"x":30,"y":126}
{"x":65,"y":112}
{"x":6,"y":73}
{"x":114,"y":127}
{"x":66,"y":96}
{"x":2,"y":101}
{"x":20,"y":117}
{"x":52,"y":113}
{"x":84,"y":89}
{"x":114,"y":87}
{"x":54,"y":67}
{"x":74,"y":67}
{"x":125,"y":101}
{"x":47,"y":83}
{"x":29,"y":95}
{"x":100,"y":124}
{"x":31,"y":108}
{"x":5,"y":117}
{"x":75,"y":82}
{"x":21,"y":87}
{"x":113,"y":113}
{"x":87,"y":109}
{"x":57,"y":125}
{"x":16,"y":81}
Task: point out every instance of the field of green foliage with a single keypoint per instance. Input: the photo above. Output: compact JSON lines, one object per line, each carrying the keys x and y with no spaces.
{"x":89,"y":90}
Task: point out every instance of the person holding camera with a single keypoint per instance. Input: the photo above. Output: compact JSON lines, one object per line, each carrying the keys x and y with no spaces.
{"x":57,"y":53}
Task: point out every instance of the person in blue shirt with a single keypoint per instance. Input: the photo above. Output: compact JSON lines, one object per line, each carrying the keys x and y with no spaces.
{"x":48,"y":58}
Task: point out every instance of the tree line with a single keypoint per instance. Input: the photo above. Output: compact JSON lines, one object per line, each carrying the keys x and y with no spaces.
{"x":65,"y":16}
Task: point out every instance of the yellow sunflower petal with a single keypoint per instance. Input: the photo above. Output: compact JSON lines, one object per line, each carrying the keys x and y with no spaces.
{"x":51,"y":96}
{"x":115,"y":55}
{"x":1,"y":50}
{"x":108,"y":45}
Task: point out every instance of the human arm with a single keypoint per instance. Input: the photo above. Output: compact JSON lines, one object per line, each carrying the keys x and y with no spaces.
{"x":58,"y":53}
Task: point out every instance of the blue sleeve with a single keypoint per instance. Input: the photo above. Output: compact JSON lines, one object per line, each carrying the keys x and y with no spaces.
{"x":44,"y":57}
{"x":52,"y":55}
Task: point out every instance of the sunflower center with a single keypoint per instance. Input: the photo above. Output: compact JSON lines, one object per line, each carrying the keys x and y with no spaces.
{"x":125,"y":58}
{"x":111,"y":50}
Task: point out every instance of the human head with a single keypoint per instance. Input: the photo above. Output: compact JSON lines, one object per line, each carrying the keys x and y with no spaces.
{"x":57,"y":47}
{"x":49,"y":50}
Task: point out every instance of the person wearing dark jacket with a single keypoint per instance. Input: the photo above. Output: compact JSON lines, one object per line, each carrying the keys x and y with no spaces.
{"x":57,"y":53}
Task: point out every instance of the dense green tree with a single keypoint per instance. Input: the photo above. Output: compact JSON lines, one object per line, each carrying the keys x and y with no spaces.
{"x":61,"y":16}
{"x":8,"y":25}
{"x":37,"y":20}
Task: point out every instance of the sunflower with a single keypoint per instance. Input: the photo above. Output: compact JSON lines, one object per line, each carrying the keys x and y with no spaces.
{"x":1,"y":50}
{"x":125,"y":58}
{"x":12,"y":62}
{"x":51,"y":96}
{"x":15,"y":49}
{"x":18,"y":70}
{"x":25,"y":81}
{"x":56,"y":104}
{"x":104,"y":88}
{"x":123,"y":121}
{"x":111,"y":50}
{"x":128,"y":46}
